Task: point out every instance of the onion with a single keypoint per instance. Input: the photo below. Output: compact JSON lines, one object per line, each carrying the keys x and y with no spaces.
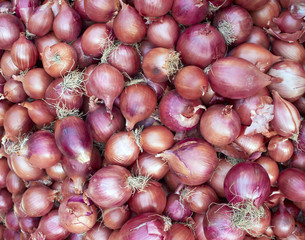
{"x":287,"y":120}
{"x":83,"y":60}
{"x":4,"y":107}
{"x":263,"y":16}
{"x":4,"y":171}
{"x":176,"y":208}
{"x":11,"y":27}
{"x":101,"y":11}
{"x":190,"y":12}
{"x":259,"y":36}
{"x":156,"y":8}
{"x":191,"y":82}
{"x":96,"y":39}
{"x":181,"y":231}
{"x":280,"y":148}
{"x":300,"y":104}
{"x":150,"y":198}
{"x":256,"y":54}
{"x":39,"y":112}
{"x":122,"y":149}
{"x":14,"y":92}
{"x":47,"y":40}
{"x":220,"y":125}
{"x":145,"y":47}
{"x":25,"y":8}
{"x":11,"y":221}
{"x":291,"y":183}
{"x":29,"y":224}
{"x":146,"y":226}
{"x":38,"y":200}
{"x":149,"y":165}
{"x":114,"y":218}
{"x":198,"y":219}
{"x":56,"y":172}
{"x":17,"y":122}
{"x":179,"y":114}
{"x":250,"y":184}
{"x":271,"y":168}
{"x":137,"y":102}
{"x":283,"y":223}
{"x":293,"y":210}
{"x":128,"y":26}
{"x":76,"y":214}
{"x":218,"y":222}
{"x":106,"y":83}
{"x":14,"y":184}
{"x":301,"y":138}
{"x":6,"y":202}
{"x":59,"y":59}
{"x":189,"y":170}
{"x":163,"y":32}
{"x":43,"y":152}
{"x":287,"y":23}
{"x":251,"y":6}
{"x":234,"y":23}
{"x":98,"y":231}
{"x":50,"y":227}
{"x":262,"y":224}
{"x":298,"y":160}
{"x":210,"y":45}
{"x":126,"y":59}
{"x":67,"y":23}
{"x":8,"y":68}
{"x":292,"y":74}
{"x":40,"y":21}
{"x":24,"y":53}
{"x":73,"y":138}
{"x":237,"y":78}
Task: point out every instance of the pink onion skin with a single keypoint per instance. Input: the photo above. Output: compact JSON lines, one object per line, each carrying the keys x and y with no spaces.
{"x":210,"y":45}
{"x":156,"y":8}
{"x":217,"y":224}
{"x":291,"y":182}
{"x":101,"y":11}
{"x":237,"y":78}
{"x":259,"y":36}
{"x":247,"y":181}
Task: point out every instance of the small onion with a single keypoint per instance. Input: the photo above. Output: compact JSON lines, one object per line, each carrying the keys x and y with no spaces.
{"x":251,"y":6}
{"x":280,"y":149}
{"x":83,"y":60}
{"x":47,"y":40}
{"x":4,"y":107}
{"x":6,"y":202}
{"x":56,"y":172}
{"x":98,"y":231}
{"x":8,"y":68}
{"x":29,"y":224}
{"x":154,"y":8}
{"x":271,"y":168}
{"x":114,"y":218}
{"x":14,"y":91}
{"x":181,"y":231}
{"x":101,"y":11}
{"x":4,"y":172}
{"x":14,"y":184}
{"x":298,"y":160}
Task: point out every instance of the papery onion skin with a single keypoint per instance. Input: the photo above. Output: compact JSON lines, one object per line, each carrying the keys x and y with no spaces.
{"x":176,"y":208}
{"x":47,"y":40}
{"x":220,"y":125}
{"x":73,"y":138}
{"x":210,"y":45}
{"x":7,"y":66}
{"x":193,"y":160}
{"x":237,"y":78}
{"x":261,"y":225}
{"x":101,"y":11}
{"x":291,"y":183}
{"x":14,"y":92}
{"x":280,"y":148}
{"x":252,"y":183}
{"x":156,"y":8}
{"x":117,"y":191}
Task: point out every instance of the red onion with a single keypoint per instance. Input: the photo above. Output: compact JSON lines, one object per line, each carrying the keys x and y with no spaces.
{"x":181,"y":231}
{"x":298,"y":160}
{"x":220,"y":125}
{"x":114,"y":218}
{"x":77,"y":214}
{"x":82,"y":59}
{"x":10,"y":234}
{"x":73,"y":138}
{"x":40,"y":21}
{"x":25,"y":8}
{"x":29,"y":224}
{"x":291,"y":183}
{"x":8,"y":68}
{"x":24,"y":53}
{"x":106,"y":83}
{"x":287,"y":23}
{"x":148,"y":226}
{"x":4,"y":171}
{"x":259,"y":36}
{"x":280,"y":148}
{"x":188,"y":170}
{"x":47,"y":40}
{"x":11,"y":221}
{"x":128,"y":26}
{"x":4,"y":107}
{"x":287,"y":120}
{"x":210,"y":45}
{"x":137,"y":102}
{"x":59,"y":59}
{"x":101,"y":11}
{"x":156,"y":8}
{"x":56,"y":172}
{"x":218,"y":222}
{"x":96,"y":39}
{"x":179,"y":114}
{"x":251,"y":6}
{"x":38,"y":200}
{"x":237,"y":78}
{"x":199,"y":231}
{"x":163,"y":32}
{"x":6,"y":202}
{"x":250,"y":184}
{"x":191,"y":82}
{"x":14,"y":92}
{"x":283,"y":223}
{"x":292,"y":74}
{"x":98,"y":231}
{"x":67,"y":23}
{"x":256,"y":54}
{"x":271,"y":168}
{"x":12,"y":26}
{"x":190,"y":12}
{"x":145,"y":47}
{"x":14,"y":184}
{"x":50,"y":228}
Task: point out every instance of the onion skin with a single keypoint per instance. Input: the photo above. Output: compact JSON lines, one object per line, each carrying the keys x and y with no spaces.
{"x":210,"y":45}
{"x":298,"y":160}
{"x":14,"y":184}
{"x":257,"y":55}
{"x":73,"y":138}
{"x":156,"y":8}
{"x":4,"y":107}
{"x":251,"y":184}
{"x":280,"y":148}
{"x":7,"y":66}
{"x":114,"y":218}
{"x":47,"y":40}
{"x":14,"y":92}
{"x":4,"y":170}
{"x":6,"y":202}
{"x":101,"y":11}
{"x":291,"y":183}
{"x":56,"y":172}
{"x":116,"y":194}
{"x":193,"y":160}
{"x":82,"y":59}
{"x":237,"y":78}
{"x":176,"y":208}
{"x":181,"y":231}
{"x":259,"y":36}
{"x":271,"y":168}
{"x":251,"y":6}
